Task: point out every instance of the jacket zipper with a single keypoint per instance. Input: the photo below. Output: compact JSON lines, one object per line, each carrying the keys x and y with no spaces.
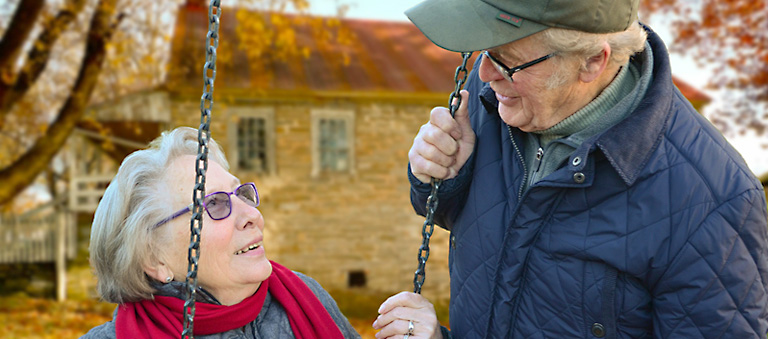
{"x":522,"y":161}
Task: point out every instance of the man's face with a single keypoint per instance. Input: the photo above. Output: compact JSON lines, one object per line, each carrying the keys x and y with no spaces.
{"x":527,"y":102}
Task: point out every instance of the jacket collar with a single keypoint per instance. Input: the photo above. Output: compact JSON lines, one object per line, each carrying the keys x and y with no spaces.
{"x":630,"y":143}
{"x":177,"y":289}
{"x":627,"y":145}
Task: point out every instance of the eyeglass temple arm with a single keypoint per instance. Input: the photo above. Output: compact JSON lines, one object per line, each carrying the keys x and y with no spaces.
{"x":181,"y":212}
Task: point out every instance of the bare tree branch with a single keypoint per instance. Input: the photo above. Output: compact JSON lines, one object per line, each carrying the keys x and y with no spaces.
{"x":38,"y":56}
{"x":16,"y":34}
{"x":23,"y":172}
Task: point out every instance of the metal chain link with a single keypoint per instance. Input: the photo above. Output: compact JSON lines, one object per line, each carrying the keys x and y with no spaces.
{"x":201,"y":166}
{"x":454,"y":101}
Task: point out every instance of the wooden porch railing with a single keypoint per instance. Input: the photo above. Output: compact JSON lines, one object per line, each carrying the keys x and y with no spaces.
{"x":39,"y":236}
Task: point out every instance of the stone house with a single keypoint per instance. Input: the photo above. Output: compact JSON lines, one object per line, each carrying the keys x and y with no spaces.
{"x":324,"y":137}
{"x":324,"y":140}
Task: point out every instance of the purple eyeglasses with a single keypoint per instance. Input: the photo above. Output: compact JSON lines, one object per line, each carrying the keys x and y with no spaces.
{"x":219,"y":204}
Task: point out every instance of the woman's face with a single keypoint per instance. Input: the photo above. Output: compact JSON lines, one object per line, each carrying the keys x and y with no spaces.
{"x":227,"y":267}
{"x":527,"y":103}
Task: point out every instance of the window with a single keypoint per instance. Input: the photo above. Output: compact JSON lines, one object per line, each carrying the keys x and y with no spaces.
{"x":251,"y":140}
{"x":252,"y":144}
{"x":334,"y":151}
{"x":332,"y":146}
{"x":356,"y":279}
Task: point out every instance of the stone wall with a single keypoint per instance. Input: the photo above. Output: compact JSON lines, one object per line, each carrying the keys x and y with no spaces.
{"x":334,"y":225}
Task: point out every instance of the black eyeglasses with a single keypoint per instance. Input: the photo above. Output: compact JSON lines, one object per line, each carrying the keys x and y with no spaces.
{"x":507,"y":72}
{"x":219,"y":204}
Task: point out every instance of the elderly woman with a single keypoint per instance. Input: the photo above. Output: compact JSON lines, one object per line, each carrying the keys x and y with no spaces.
{"x":139,"y":245}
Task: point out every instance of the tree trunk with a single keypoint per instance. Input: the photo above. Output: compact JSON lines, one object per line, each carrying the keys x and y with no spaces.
{"x":24,"y":170}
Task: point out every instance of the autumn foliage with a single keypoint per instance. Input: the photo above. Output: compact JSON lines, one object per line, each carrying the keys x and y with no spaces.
{"x":57,"y":58}
{"x":733,"y":36}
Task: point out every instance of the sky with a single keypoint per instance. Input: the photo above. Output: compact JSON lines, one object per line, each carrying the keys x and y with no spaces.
{"x":683,"y":67}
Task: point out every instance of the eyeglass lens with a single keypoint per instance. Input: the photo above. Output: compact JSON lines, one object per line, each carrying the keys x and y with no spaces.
{"x":247,"y":193}
{"x":501,"y":69}
{"x":219,"y":205}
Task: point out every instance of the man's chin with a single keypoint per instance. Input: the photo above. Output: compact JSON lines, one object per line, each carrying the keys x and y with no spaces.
{"x":510,"y":116}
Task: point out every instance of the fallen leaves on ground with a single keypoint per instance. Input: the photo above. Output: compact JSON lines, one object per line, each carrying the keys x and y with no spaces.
{"x":23,"y":317}
{"x":26,"y":317}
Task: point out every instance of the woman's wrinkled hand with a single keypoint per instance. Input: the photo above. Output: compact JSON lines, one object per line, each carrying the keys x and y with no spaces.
{"x":397,"y":312}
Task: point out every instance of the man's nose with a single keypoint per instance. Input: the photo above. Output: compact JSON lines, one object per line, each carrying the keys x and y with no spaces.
{"x":487,"y":72}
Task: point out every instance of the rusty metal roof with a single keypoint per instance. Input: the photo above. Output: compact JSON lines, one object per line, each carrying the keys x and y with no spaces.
{"x":383,"y":56}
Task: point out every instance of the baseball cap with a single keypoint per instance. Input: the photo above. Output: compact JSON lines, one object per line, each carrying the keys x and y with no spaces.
{"x":473,"y":25}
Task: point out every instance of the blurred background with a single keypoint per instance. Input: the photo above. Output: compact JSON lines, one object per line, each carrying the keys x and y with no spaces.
{"x":317,"y":102}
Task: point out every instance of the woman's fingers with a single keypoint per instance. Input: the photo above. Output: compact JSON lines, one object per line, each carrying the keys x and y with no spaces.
{"x":402,"y":310}
{"x":396,"y":329}
{"x":406,"y":299}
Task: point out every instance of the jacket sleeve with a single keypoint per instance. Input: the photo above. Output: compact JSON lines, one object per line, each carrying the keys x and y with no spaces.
{"x":714,"y":285}
{"x":452,"y":193}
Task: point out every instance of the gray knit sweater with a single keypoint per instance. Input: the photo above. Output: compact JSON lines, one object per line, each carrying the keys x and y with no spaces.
{"x":272,"y":321}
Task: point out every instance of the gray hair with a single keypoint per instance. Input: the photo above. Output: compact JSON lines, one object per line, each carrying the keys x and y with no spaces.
{"x":136,"y":199}
{"x":575,"y":47}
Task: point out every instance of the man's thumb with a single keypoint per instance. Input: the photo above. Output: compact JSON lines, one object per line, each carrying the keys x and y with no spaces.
{"x":462,"y":113}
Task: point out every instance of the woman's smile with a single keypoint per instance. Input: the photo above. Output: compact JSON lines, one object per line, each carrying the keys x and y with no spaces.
{"x":252,"y":249}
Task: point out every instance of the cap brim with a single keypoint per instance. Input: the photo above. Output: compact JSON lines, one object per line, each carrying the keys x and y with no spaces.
{"x":464,"y":26}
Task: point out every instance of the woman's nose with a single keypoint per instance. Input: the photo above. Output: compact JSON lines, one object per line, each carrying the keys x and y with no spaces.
{"x":247,"y":215}
{"x":487,"y":72}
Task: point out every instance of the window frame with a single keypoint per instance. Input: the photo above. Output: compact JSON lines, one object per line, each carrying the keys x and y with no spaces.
{"x":236,"y":115}
{"x":348,"y":116}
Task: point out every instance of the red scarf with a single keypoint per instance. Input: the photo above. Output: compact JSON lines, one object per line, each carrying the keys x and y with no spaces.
{"x":163,"y":317}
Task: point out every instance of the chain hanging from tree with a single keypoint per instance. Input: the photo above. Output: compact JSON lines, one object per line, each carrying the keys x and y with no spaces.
{"x":454,"y":101}
{"x":201,"y":165}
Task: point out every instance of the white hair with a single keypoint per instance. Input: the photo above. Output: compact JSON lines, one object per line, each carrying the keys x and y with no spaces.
{"x":122,"y":239}
{"x":575,"y":47}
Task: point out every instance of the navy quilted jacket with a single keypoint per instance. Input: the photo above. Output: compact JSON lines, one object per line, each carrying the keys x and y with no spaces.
{"x":665,"y":236}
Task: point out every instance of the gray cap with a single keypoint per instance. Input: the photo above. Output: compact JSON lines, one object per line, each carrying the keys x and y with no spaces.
{"x":473,"y":25}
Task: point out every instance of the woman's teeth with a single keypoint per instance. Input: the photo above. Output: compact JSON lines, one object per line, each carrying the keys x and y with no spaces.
{"x":252,"y":247}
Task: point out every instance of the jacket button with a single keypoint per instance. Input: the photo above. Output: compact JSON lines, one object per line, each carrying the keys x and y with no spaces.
{"x":576,"y":161}
{"x":453,"y":242}
{"x":578,"y":177}
{"x":598,"y":330}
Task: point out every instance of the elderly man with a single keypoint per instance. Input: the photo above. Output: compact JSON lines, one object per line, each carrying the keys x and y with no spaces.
{"x":584,"y":195}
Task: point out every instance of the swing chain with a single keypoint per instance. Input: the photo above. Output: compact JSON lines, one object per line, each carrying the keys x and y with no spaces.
{"x":460,"y":77}
{"x":201,"y":166}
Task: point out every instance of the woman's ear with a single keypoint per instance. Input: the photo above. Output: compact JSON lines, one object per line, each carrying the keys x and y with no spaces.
{"x":596,"y":64}
{"x":158,"y":270}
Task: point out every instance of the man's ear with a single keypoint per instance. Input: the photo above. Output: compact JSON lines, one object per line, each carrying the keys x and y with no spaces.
{"x":596,"y":64}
